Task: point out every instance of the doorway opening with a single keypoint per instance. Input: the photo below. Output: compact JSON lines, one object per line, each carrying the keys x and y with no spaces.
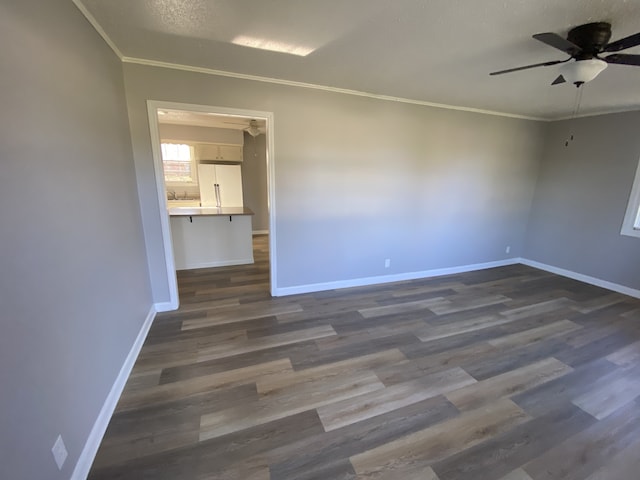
{"x":223,"y":133}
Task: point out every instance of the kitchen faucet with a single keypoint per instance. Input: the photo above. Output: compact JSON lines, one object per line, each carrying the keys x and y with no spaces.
{"x":172,"y":195}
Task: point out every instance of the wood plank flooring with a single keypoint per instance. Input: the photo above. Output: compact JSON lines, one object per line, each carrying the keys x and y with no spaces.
{"x":504,"y":374}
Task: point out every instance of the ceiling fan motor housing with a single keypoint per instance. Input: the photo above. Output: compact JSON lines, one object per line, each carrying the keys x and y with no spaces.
{"x":584,"y":44}
{"x":592,"y":38}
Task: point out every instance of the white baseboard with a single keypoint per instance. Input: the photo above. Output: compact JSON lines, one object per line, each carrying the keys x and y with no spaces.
{"x":359,"y":282}
{"x":224,"y":263}
{"x":260,"y":232}
{"x":83,"y":465}
{"x":166,"y":306}
{"x":632,"y":292}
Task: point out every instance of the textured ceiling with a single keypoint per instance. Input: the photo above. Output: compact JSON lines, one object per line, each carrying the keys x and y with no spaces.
{"x":438,"y":51}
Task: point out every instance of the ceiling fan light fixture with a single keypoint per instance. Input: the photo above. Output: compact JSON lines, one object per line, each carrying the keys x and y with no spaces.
{"x":582,"y":71}
{"x":253,"y":131}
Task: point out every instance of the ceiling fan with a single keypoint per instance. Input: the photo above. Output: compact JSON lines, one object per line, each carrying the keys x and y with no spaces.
{"x":584,"y":44}
{"x":253,"y":129}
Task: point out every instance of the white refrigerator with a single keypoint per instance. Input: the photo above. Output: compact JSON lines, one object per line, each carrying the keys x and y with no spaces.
{"x":220,"y":185}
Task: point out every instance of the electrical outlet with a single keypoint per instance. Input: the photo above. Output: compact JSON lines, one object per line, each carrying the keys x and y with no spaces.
{"x":59,"y":452}
{"x":508,"y":249}
{"x":387,"y":262}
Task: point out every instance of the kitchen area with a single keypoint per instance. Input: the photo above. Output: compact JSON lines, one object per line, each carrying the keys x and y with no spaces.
{"x":212,"y":164}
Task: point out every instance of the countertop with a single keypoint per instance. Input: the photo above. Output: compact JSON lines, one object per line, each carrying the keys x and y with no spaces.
{"x":210,"y":211}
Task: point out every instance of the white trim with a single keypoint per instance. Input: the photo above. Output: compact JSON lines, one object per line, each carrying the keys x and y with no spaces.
{"x":631,"y":217}
{"x":632,"y":108}
{"x":632,"y":292}
{"x":94,"y":23}
{"x":260,"y":232}
{"x":290,"y":83}
{"x":359,"y":282}
{"x":152,"y":107}
{"x":271,"y":202}
{"x":161,"y":193}
{"x":165,"y":307}
{"x":222,"y":263}
{"x":90,"y":449}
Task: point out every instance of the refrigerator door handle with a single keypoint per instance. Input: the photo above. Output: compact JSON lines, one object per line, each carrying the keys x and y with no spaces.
{"x":216,"y":187}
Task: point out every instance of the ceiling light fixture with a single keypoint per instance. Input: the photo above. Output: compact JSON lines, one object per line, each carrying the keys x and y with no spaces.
{"x":272,"y":45}
{"x":582,"y":71}
{"x":253,"y":129}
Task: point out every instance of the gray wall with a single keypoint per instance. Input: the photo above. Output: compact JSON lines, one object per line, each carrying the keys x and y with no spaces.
{"x":254,"y":180}
{"x":358,"y":180}
{"x":74,"y":286}
{"x":581,"y":198}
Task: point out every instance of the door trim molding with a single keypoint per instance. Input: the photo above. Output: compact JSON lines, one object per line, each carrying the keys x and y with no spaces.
{"x":152,"y":108}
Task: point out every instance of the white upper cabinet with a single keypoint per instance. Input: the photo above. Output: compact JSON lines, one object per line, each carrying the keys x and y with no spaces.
{"x":218,"y":151}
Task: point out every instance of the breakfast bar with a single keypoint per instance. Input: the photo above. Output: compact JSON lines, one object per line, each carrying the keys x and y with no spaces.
{"x":211,"y":236}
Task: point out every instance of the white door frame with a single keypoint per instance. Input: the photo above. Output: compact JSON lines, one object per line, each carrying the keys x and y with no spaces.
{"x":152,"y":109}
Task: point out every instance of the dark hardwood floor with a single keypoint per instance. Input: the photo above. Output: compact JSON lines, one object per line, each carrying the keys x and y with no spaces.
{"x":510,"y":373}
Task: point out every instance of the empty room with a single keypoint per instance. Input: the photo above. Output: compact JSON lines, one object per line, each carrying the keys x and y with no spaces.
{"x":357,"y":239}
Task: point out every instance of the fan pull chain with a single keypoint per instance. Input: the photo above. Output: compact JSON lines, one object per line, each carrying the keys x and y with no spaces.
{"x":576,"y":107}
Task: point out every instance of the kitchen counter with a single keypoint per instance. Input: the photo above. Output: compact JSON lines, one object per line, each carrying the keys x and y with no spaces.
{"x":208,"y":211}
{"x":210,"y":237}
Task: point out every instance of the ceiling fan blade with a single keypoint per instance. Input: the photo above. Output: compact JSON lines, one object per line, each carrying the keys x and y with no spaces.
{"x":556,"y":41}
{"x":545,"y":64}
{"x":623,"y":59}
{"x":623,"y":43}
{"x":559,"y":80}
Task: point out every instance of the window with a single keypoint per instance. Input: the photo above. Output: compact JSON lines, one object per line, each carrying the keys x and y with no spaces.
{"x":631,"y":223}
{"x":179,"y":164}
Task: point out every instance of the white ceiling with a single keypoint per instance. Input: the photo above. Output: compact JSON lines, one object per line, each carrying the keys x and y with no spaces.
{"x":199,"y":119}
{"x":436,"y":51}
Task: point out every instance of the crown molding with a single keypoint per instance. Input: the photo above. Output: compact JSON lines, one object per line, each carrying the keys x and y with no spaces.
{"x":290,"y":83}
{"x":94,"y":23}
{"x":611,"y":111}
